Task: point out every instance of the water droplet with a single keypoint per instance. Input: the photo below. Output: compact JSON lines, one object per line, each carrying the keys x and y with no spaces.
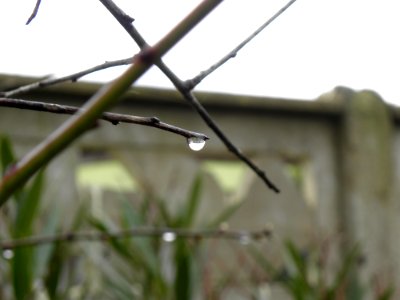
{"x":196,"y":143}
{"x":169,"y":237}
{"x":8,"y":254}
{"x":245,"y":239}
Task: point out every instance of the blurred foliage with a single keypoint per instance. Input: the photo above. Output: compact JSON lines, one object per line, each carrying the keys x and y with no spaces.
{"x":306,"y":275}
{"x":19,"y":218}
{"x":166,"y":267}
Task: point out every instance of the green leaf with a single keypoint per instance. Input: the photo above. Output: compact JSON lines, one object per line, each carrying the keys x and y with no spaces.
{"x":188,"y":214}
{"x":22,"y":266}
{"x":165,"y":216}
{"x":23,"y":260}
{"x":142,"y":245}
{"x":7,"y":159}
{"x":28,"y":207}
{"x":43,"y":252}
{"x":130,"y":216}
{"x":355,"y":290}
{"x":7,"y":154}
{"x":346,"y":269}
{"x":224,"y":215}
{"x":55,"y":267}
{"x":183,"y":261}
{"x":298,"y":282}
{"x":387,"y":294}
{"x":139,"y":255}
{"x":115,"y":243}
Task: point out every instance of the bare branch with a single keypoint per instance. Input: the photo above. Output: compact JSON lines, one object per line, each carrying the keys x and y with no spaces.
{"x":113,"y":118}
{"x":245,"y":236}
{"x":73,"y":77}
{"x":105,"y":98}
{"x":189,"y":96}
{"x":197,"y":79}
{"x":185,"y":90}
{"x":34,"y":12}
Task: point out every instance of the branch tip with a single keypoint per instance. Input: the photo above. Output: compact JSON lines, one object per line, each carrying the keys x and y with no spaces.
{"x":34,"y":12}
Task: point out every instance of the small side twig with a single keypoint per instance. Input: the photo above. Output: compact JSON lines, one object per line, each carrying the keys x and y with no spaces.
{"x":245,"y":236}
{"x":185,"y":90}
{"x":191,"y":83}
{"x":113,"y":118}
{"x":34,"y":12}
{"x":73,"y":77}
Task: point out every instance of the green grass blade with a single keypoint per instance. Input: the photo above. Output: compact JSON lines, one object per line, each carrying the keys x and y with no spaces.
{"x":299,"y":280}
{"x":188,"y":214}
{"x":387,"y":294}
{"x":223,"y":216}
{"x":183,"y":283}
{"x":22,"y":271}
{"x":347,"y":267}
{"x":143,"y":245}
{"x":43,"y":252}
{"x":7,"y":159}
{"x":28,"y":207}
{"x":23,"y":260}
{"x":54,"y":271}
{"x":166,"y":218}
{"x":116,"y":244}
{"x":7,"y":154}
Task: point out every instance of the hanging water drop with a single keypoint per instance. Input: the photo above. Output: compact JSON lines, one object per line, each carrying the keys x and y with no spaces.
{"x":196,"y":143}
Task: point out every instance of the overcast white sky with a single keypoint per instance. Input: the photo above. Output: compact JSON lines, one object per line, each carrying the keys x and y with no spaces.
{"x":315,"y":46}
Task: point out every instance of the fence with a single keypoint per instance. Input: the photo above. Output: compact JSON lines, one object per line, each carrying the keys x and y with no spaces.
{"x":334,"y":159}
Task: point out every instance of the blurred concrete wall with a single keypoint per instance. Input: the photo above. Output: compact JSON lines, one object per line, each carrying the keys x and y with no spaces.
{"x":335,"y":160}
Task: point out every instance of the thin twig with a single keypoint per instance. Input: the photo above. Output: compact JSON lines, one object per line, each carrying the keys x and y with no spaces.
{"x":230,"y":146}
{"x":185,"y":90}
{"x":105,"y":98}
{"x":113,"y":118}
{"x":34,"y":12}
{"x":73,"y":77}
{"x":197,"y":79}
{"x":244,"y":236}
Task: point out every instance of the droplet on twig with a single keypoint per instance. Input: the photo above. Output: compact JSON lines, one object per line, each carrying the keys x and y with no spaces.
{"x":169,"y":237}
{"x":245,"y":239}
{"x":8,"y":254}
{"x":196,"y":143}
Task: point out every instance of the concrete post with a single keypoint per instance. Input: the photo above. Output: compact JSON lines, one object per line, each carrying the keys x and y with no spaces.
{"x":367,"y":162}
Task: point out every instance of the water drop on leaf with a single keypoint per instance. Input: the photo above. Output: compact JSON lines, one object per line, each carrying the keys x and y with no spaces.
{"x":196,"y":143}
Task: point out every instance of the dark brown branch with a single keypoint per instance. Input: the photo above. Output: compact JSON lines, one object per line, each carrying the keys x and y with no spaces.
{"x":113,"y":118}
{"x":197,"y":79}
{"x":229,"y":145}
{"x":245,"y":236}
{"x":73,"y":77}
{"x":185,"y":90}
{"x":34,"y":12}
